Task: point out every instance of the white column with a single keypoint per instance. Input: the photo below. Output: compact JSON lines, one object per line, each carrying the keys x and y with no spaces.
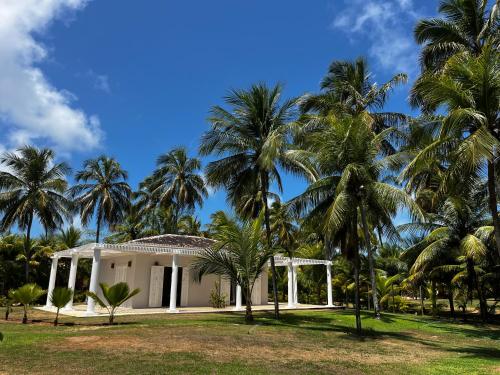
{"x":52,"y":281}
{"x":290,"y":284}
{"x":173,"y":284}
{"x":94,"y":278}
{"x":72,"y":280}
{"x":329,"y":283}
{"x":295,"y":291}
{"x":238,"y":297}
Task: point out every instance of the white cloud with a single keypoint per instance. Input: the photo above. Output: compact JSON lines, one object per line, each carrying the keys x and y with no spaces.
{"x":31,"y":109}
{"x":387,"y":25}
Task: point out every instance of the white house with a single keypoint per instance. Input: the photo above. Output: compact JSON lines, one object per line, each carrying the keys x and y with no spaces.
{"x":160,"y":267}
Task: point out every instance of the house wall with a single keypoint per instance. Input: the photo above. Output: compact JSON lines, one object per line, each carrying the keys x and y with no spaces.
{"x":192,"y":293}
{"x":108,"y":275}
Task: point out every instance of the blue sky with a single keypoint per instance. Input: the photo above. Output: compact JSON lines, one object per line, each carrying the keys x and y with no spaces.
{"x":134,"y":79}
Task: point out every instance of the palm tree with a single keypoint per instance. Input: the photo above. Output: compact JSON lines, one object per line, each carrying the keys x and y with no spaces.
{"x":465,"y":27}
{"x":32,"y":188}
{"x":60,"y":297}
{"x":177,"y":181}
{"x":348,"y":88}
{"x":26,"y":296}
{"x":70,"y":237}
{"x":283,"y":227}
{"x":133,"y":227}
{"x":253,"y":140}
{"x":103,"y":192}
{"x":469,"y":86}
{"x":454,"y":236}
{"x":238,"y":255}
{"x":114,"y":296}
{"x":351,"y":160}
{"x":189,"y":225}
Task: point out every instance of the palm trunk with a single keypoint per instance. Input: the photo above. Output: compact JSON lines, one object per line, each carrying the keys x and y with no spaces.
{"x":357,"y":309}
{"x":264,"y":186}
{"x":56,"y":320}
{"x":393,"y":299}
{"x":422,"y":309}
{"x":27,"y":249}
{"x":25,"y":316}
{"x":356,"y":296}
{"x":98,"y":227}
{"x":483,"y":308}
{"x":248,"y":307}
{"x":450,"y":301}
{"x":492,"y":199}
{"x":370,"y":261}
{"x":433,"y":297}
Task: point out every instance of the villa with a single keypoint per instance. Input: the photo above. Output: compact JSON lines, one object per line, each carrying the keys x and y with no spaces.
{"x":160,"y":267}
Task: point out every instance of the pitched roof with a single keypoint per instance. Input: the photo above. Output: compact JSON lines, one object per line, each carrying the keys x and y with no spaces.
{"x":175,"y":240}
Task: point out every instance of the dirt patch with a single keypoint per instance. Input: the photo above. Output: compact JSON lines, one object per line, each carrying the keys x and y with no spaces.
{"x":257,"y":347}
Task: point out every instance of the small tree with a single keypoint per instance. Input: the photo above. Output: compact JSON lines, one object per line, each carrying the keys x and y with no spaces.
{"x":60,"y":297}
{"x":239,"y":255}
{"x":114,"y":297}
{"x":7,"y":303}
{"x":26,"y":296}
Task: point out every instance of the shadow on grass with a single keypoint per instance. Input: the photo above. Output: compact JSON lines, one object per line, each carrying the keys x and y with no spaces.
{"x":477,"y":352}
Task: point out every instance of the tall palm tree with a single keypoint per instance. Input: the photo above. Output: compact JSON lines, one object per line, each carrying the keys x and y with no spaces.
{"x":469,"y":87}
{"x":177,"y":180}
{"x":102,"y":192}
{"x":253,"y":140}
{"x":238,"y":255}
{"x":283,"y":227}
{"x":464,"y":28}
{"x":32,"y":188}
{"x":351,"y":160}
{"x":348,"y":88}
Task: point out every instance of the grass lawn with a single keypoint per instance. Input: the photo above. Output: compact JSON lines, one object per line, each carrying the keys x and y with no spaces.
{"x":303,"y":342}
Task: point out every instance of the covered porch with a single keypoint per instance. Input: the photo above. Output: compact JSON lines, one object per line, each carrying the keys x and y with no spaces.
{"x":136,"y":263}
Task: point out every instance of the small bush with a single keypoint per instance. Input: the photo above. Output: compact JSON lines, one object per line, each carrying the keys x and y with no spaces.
{"x":217,"y":298}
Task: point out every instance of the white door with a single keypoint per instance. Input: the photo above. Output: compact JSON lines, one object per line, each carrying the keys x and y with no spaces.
{"x":156,"y":286}
{"x":120,"y":274}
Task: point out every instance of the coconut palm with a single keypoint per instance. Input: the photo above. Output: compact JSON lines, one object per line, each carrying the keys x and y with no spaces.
{"x":283,"y":227}
{"x":59,"y":298}
{"x":454,"y":236}
{"x":469,"y":86}
{"x":189,"y":225}
{"x":70,"y":237}
{"x":253,"y":140}
{"x":351,"y":159}
{"x":26,"y":295}
{"x":348,"y":88}
{"x":102,"y":192}
{"x":32,"y":188}
{"x":177,"y":181}
{"x":464,"y":28}
{"x":133,"y":227}
{"x":113,"y":297}
{"x":238,"y":255}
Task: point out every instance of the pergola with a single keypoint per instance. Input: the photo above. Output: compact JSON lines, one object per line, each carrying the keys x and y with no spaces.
{"x":96,"y":251}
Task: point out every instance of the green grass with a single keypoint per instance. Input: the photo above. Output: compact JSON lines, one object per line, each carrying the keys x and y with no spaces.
{"x":303,"y":342}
